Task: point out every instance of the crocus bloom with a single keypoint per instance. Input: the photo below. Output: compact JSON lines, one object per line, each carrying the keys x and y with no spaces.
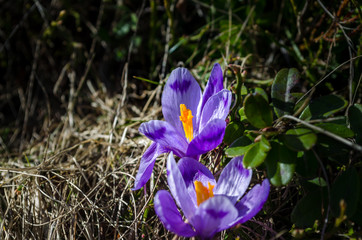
{"x":195,"y":122}
{"x":208,"y":206}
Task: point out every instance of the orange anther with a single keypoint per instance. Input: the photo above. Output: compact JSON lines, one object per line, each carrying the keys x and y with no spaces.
{"x":186,"y":119}
{"x":203,"y":193}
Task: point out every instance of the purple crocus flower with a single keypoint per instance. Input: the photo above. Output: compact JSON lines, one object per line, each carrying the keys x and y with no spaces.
{"x":195,"y":122}
{"x":208,"y":206}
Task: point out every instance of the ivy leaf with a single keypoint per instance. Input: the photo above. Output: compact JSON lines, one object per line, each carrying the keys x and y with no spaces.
{"x":283,"y":83}
{"x":257,"y":153}
{"x":258,"y":111}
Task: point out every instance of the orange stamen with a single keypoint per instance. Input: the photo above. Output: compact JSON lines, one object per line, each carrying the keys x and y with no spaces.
{"x":203,"y":193}
{"x":186,"y":119}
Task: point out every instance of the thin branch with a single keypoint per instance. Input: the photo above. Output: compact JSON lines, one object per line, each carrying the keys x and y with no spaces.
{"x":30,"y":93}
{"x":325,"y":77}
{"x":350,"y":49}
{"x":358,"y":84}
{"x":329,"y":134}
{"x":17,"y":27}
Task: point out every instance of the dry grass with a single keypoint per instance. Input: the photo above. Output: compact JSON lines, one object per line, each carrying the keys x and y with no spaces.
{"x":73,"y":179}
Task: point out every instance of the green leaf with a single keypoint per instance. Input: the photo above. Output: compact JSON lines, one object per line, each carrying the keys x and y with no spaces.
{"x":233,"y":131}
{"x":338,"y":129}
{"x":257,"y":153}
{"x":358,"y":213}
{"x":318,"y":181}
{"x":346,"y":187}
{"x":261,"y":92}
{"x":146,"y":80}
{"x":300,"y":139}
{"x":296,"y":96}
{"x":242,"y":114}
{"x":280,"y":164}
{"x":282,"y":99}
{"x":323,"y":107}
{"x":239,"y":147}
{"x":307,"y":164}
{"x":332,"y":149}
{"x":341,"y":120}
{"x":243,"y":90}
{"x":308,"y":209}
{"x":257,"y":111}
{"x":354,"y":117}
{"x":181,"y":42}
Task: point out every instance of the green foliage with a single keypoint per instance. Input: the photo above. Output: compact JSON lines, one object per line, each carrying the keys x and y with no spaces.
{"x":280,"y":164}
{"x":318,"y":181}
{"x":297,"y":152}
{"x":262,"y":92}
{"x":283,"y":84}
{"x":257,"y":111}
{"x":355,"y":116}
{"x":257,"y":153}
{"x":338,"y":129}
{"x":239,"y":147}
{"x":300,"y":139}
{"x":307,"y":164}
{"x":308,"y":209}
{"x":233,"y":131}
{"x":346,"y":188}
{"x":323,"y":107}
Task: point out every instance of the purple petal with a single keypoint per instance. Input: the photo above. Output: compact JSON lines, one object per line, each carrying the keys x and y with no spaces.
{"x":146,"y":166}
{"x":214,"y":85}
{"x":166,"y":135}
{"x":217,"y":107}
{"x":209,"y":138}
{"x":180,"y":88}
{"x":178,"y":188}
{"x":193,"y":170}
{"x":214,"y":215}
{"x":234,"y":180}
{"x":252,"y":202}
{"x":169,"y":215}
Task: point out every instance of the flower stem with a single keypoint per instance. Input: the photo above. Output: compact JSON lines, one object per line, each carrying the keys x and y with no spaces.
{"x":238,"y":97}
